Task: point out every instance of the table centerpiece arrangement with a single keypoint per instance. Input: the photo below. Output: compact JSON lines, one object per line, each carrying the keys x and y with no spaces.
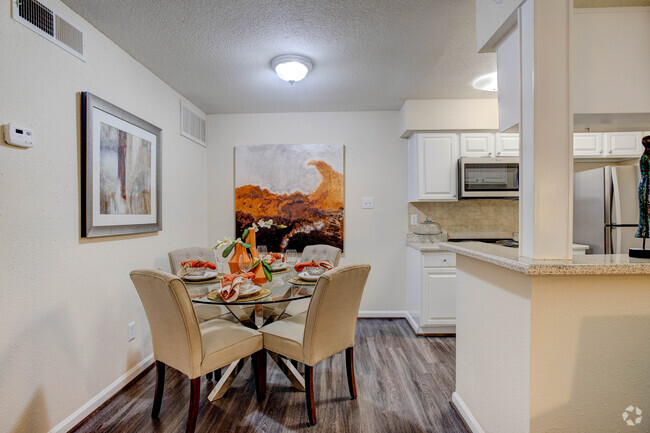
{"x":245,"y":246}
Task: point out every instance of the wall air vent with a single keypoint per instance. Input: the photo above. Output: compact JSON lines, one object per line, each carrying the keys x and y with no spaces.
{"x":49,"y":24}
{"x":192,"y":123}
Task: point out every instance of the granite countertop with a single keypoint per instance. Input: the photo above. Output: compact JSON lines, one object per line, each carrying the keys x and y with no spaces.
{"x":425,"y":243}
{"x":590,"y":264}
{"x":425,"y":247}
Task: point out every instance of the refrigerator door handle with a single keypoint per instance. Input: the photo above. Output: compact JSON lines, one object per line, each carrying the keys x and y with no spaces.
{"x":616,"y":199}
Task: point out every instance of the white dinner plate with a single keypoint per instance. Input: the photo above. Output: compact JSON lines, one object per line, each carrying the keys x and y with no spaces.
{"x":207,"y":276}
{"x":305,"y":276}
{"x":281,"y":267}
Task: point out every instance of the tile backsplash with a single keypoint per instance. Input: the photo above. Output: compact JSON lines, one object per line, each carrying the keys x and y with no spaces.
{"x":469,"y":216}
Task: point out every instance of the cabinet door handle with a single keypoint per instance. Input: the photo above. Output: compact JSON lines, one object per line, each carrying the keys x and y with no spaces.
{"x":498,"y":153}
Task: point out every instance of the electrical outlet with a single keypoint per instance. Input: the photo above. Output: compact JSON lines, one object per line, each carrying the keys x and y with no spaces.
{"x":367,"y":203}
{"x":131,"y":331}
{"x":414,"y":219}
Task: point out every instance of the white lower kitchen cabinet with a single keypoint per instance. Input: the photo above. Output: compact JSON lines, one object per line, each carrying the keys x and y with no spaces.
{"x":431,"y":291}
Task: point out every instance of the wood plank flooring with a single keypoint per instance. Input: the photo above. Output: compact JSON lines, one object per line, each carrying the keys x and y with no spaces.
{"x":404,"y":384}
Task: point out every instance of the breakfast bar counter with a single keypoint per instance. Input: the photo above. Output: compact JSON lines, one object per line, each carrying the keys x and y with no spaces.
{"x":550,"y":345}
{"x":589,"y":264}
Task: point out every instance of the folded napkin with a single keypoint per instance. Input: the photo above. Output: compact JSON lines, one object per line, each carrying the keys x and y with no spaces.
{"x":322,"y":263}
{"x":230,"y":284}
{"x":198,"y":264}
{"x":270,"y":258}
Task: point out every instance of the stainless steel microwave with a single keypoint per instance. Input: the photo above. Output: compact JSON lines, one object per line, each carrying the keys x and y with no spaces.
{"x":488,"y":177}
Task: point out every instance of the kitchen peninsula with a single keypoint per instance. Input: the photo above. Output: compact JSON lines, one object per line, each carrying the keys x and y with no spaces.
{"x":549,"y":345}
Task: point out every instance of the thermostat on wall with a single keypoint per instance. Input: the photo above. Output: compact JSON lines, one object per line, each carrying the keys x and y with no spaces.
{"x":19,"y":136}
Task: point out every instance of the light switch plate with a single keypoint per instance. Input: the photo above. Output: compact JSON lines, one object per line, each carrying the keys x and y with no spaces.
{"x":367,"y":203}
{"x":414,"y":219}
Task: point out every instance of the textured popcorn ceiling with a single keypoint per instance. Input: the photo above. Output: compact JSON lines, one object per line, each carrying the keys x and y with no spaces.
{"x":367,"y":54}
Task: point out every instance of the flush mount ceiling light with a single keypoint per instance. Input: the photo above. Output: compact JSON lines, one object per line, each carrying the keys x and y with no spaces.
{"x":486,"y":82}
{"x":291,"y":68}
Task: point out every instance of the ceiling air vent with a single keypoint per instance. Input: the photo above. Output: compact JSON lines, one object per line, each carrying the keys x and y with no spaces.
{"x":49,"y":24}
{"x":192,"y":123}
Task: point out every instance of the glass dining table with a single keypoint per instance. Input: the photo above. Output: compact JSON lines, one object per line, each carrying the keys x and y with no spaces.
{"x":260,"y":309}
{"x":264,"y":307}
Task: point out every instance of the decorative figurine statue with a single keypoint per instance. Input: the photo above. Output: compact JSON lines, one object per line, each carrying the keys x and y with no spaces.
{"x":644,"y":189}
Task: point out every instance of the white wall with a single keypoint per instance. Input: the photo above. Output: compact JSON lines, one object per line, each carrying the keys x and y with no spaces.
{"x":65,"y":302}
{"x":490,"y":19}
{"x":375,"y":165}
{"x":590,"y":352}
{"x":611,"y":58}
{"x":493,"y":345}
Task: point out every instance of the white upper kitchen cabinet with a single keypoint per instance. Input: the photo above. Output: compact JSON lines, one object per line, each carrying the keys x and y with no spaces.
{"x":433,"y":167}
{"x":626,"y":144}
{"x":477,"y":144}
{"x":587,"y":144}
{"x":507,"y":144}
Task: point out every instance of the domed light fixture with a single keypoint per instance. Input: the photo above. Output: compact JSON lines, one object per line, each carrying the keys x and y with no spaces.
{"x":291,"y":67}
{"x":486,"y":82}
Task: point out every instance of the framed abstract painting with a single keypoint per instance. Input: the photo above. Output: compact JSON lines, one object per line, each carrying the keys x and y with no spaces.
{"x":121,"y":157}
{"x":300,"y":186}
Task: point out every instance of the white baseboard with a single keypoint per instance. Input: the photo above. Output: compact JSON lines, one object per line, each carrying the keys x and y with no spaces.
{"x":425,"y":330}
{"x":465,"y":414}
{"x":412,"y":322}
{"x":365,"y":314}
{"x":108,"y":392}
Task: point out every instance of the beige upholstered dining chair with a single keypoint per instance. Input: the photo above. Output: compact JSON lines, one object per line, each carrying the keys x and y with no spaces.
{"x":194,"y":349}
{"x":313,"y":252}
{"x":203,"y":311}
{"x":321,"y":252}
{"x":327,"y":328}
{"x":191,"y":253}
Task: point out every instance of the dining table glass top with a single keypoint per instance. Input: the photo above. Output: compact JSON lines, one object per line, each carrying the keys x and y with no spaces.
{"x":284,"y":287}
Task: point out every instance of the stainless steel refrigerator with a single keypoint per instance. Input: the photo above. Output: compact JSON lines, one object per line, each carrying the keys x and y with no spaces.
{"x":606,"y":209}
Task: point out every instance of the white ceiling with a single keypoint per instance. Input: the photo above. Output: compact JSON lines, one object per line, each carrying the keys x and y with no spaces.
{"x":367,"y":54}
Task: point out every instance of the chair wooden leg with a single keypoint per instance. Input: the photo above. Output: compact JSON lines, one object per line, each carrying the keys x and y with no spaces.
{"x":309,"y":393}
{"x":160,"y":386}
{"x":259,"y":369}
{"x":195,"y":393}
{"x":349,"y":364}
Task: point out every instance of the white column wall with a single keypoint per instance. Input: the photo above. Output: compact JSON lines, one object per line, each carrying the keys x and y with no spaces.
{"x":546,"y":128}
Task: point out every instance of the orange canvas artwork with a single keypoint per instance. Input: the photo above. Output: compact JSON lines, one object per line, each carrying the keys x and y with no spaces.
{"x":300,"y":186}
